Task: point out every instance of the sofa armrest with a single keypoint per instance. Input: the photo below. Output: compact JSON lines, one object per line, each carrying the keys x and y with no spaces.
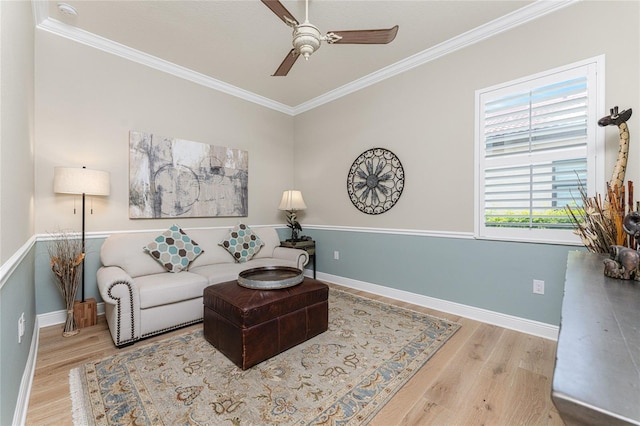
{"x":122,"y":304}
{"x":301,"y":257}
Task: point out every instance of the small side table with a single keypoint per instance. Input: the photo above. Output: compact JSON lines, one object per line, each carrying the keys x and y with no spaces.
{"x":307,"y":245}
{"x":85,"y":313}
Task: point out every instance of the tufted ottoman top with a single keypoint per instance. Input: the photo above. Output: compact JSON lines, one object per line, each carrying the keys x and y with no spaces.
{"x":247,"y":307}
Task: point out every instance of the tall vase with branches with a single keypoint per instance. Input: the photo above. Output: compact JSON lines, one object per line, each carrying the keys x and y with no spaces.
{"x":65,"y":253}
{"x":599,"y":222}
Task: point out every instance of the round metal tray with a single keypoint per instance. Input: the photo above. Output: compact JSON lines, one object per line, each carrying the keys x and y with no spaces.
{"x":270,"y":277}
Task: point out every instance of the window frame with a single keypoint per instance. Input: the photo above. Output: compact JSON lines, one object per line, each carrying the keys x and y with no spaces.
{"x":593,"y":68}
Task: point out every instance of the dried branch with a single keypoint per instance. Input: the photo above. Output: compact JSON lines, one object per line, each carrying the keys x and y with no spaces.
{"x":599,"y":223}
{"x":65,"y":253}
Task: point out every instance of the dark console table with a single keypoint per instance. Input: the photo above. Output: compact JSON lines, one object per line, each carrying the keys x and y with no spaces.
{"x":596,"y":380}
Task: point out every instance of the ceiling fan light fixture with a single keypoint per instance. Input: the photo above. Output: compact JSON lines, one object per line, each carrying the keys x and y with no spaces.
{"x":306,"y":39}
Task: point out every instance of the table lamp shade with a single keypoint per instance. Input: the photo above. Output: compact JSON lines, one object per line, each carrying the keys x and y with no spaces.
{"x":70,"y":180}
{"x":292,"y":201}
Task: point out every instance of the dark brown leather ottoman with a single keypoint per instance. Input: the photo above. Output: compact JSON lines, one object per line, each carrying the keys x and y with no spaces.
{"x":250,"y":326}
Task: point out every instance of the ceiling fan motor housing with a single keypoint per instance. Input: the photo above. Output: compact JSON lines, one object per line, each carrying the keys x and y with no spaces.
{"x":306,"y":39}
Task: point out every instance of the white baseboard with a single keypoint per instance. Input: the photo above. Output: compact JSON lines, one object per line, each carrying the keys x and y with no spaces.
{"x":59,"y":317}
{"x":22,"y":404}
{"x":523,"y":325}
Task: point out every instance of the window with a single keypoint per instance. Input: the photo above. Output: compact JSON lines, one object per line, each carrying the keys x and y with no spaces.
{"x":537,"y":141}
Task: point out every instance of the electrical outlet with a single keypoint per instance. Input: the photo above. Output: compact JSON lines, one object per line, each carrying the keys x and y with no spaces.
{"x":336,"y":255}
{"x":538,"y":287}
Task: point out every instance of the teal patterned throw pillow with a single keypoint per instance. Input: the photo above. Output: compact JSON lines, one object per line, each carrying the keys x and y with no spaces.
{"x":173,"y":249}
{"x":242,"y":243}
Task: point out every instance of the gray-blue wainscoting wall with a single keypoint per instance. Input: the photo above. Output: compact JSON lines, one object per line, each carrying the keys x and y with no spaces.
{"x":492,"y":275}
{"x":17,"y":296}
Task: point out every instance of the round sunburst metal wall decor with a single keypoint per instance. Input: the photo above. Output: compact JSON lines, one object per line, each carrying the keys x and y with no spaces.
{"x":375,"y":181}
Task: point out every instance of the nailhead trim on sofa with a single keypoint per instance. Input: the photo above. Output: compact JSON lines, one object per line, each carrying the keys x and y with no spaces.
{"x":164,"y":330}
{"x":120,"y":343}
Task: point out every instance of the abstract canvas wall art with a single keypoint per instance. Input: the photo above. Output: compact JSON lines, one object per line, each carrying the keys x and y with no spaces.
{"x":170,"y":177}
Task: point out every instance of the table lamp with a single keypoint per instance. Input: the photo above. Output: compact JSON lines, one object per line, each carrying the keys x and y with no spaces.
{"x":291,"y":202}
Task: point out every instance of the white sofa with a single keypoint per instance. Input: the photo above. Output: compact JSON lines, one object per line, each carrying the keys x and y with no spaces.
{"x":143,"y":299}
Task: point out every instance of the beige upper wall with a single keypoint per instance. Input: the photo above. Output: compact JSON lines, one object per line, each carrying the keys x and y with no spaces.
{"x":426,"y":117}
{"x":88,"y":101}
{"x":16,"y":127}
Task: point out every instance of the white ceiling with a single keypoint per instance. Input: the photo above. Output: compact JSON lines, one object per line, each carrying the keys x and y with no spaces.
{"x":235,"y":45}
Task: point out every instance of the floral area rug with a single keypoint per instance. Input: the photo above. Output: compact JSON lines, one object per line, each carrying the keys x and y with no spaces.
{"x":343,"y":376}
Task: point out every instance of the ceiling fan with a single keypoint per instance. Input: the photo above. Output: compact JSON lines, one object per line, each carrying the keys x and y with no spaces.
{"x":307,"y":38}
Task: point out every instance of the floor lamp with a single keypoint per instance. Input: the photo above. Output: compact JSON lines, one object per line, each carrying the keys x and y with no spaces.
{"x":81,"y":181}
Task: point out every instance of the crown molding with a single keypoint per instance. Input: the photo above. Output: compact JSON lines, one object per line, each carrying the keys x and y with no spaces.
{"x":514,"y":19}
{"x":92,"y":40}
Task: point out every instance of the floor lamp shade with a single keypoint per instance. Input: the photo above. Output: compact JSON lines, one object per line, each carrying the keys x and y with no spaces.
{"x":70,"y":180}
{"x":75,"y":180}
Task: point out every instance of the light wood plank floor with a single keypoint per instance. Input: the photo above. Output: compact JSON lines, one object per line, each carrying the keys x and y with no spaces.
{"x":484,"y":375}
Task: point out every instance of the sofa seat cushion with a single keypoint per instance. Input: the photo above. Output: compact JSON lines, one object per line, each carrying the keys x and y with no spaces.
{"x":222,"y":272}
{"x":166,"y":288}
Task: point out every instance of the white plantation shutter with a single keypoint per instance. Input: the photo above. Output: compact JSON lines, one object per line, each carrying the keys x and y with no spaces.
{"x":535,"y":147}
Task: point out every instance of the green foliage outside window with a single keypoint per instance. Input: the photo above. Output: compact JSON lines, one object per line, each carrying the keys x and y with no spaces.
{"x":552,"y":218}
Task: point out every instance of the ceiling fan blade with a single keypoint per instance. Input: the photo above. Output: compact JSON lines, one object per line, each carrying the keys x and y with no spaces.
{"x":280,"y":11}
{"x":286,"y":65}
{"x":366,"y":36}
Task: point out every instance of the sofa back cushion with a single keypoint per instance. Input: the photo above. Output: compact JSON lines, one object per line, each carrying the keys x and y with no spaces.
{"x":270,"y":238}
{"x":209,"y":240}
{"x":126,"y":250}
